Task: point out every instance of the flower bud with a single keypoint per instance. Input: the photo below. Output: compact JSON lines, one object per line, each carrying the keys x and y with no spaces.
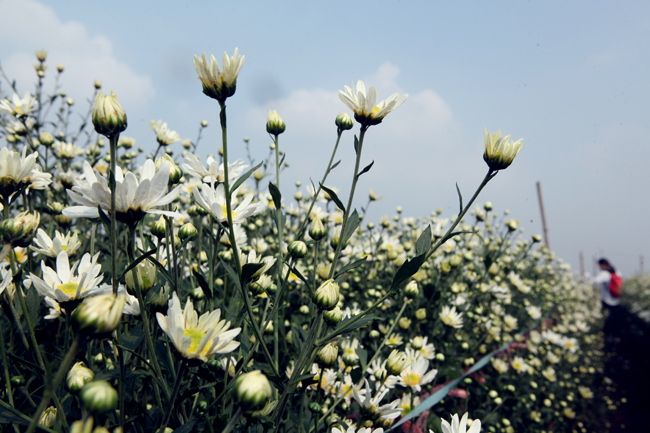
{"x":258,"y":174}
{"x":327,"y":295}
{"x":108,"y":115}
{"x":297,"y":249}
{"x":158,"y":228}
{"x":488,"y":206}
{"x":351,"y":358}
{"x":20,"y":231}
{"x":421,"y":314}
{"x":344,"y":122}
{"x":41,"y":55}
{"x":374,"y":334}
{"x":455,"y":260}
{"x":146,"y":273}
{"x":78,"y":377}
{"x":404,"y":323}
{"x":187,"y":231}
{"x":303,"y":309}
{"x":46,"y":138}
{"x":98,"y":397}
{"x":537,"y":238}
{"x":512,"y":225}
{"x":99,"y":314}
{"x":440,"y":357}
{"x":411,"y":290}
{"x":500,"y":151}
{"x":417,"y":343}
{"x":493,"y":269}
{"x":49,"y":415}
{"x":253,"y":390}
{"x":316,"y":230}
{"x":274,"y":123}
{"x":314,"y":407}
{"x":328,"y":354}
{"x":334,"y":316}
{"x":396,"y":363}
{"x":175,"y":172}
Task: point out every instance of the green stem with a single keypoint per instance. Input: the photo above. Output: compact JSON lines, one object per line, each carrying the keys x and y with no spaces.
{"x":303,"y":225}
{"x":231,"y":236}
{"x":355,"y":179}
{"x":177,"y":385}
{"x":145,"y":315}
{"x":51,"y":388}
{"x":233,"y":421}
{"x":113,"y":139}
{"x":488,"y":177}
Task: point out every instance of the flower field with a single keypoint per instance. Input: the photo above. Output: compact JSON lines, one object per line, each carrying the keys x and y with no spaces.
{"x":166,"y":293}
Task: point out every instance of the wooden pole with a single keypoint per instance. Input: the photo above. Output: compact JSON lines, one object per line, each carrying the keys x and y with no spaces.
{"x":582,"y":265}
{"x":541,"y":208}
{"x":641,"y":264}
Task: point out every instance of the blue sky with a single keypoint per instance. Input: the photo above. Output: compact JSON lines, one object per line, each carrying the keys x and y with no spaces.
{"x":571,"y":78}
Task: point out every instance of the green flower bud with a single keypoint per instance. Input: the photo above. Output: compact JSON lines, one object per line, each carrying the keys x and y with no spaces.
{"x":17,"y":380}
{"x":327,"y":295}
{"x":344,"y":122}
{"x":316,"y":230}
{"x":500,"y":151}
{"x":303,"y":309}
{"x":99,"y":314}
{"x":274,"y":123}
{"x":78,"y":377}
{"x":175,"y":172}
{"x":404,"y":323}
{"x":488,"y":206}
{"x":98,"y":397}
{"x":46,"y":139}
{"x":455,"y":260}
{"x":20,"y":231}
{"x":396,"y":363}
{"x":417,"y":343}
{"x":187,"y":231}
{"x":146,"y":273}
{"x":537,"y":238}
{"x":158,"y":228}
{"x":333,"y":317}
{"x":440,"y":357}
{"x":253,"y":390}
{"x":48,"y":417}
{"x":328,"y":354}
{"x":315,"y":407}
{"x":493,"y":269}
{"x":297,"y":249}
{"x":374,"y":334}
{"x":108,"y":115}
{"x":445,"y":267}
{"x":421,"y":314}
{"x":411,"y":290}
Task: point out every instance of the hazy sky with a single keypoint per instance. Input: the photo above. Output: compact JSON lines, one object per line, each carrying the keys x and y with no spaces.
{"x":571,"y":78}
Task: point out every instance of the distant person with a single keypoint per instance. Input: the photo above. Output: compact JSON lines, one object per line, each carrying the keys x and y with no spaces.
{"x":607,"y":282}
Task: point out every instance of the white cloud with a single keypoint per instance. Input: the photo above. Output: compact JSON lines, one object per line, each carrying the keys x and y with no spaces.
{"x":417,"y":145}
{"x":86,"y":56}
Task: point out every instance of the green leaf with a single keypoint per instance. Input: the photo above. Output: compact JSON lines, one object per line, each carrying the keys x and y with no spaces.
{"x":366,"y":169}
{"x":356,"y":144}
{"x":202,"y":282}
{"x":407,"y":270}
{"x":350,"y":266}
{"x":423,"y":245}
{"x":161,"y":269}
{"x":345,"y":326}
{"x":185,"y":428}
{"x":136,"y":262}
{"x":243,"y":178}
{"x":363,"y":357}
{"x":232,"y":274}
{"x":105,"y":219}
{"x":277,"y":196}
{"x":33,"y":303}
{"x":334,"y":197}
{"x":460,"y":198}
{"x":248,"y":270}
{"x":350,"y":227}
{"x":299,"y":275}
{"x":335,"y":165}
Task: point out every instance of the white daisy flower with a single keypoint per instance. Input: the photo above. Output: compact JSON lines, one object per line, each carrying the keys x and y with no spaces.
{"x":416,"y":375}
{"x":67,"y":284}
{"x":19,"y":170}
{"x":52,"y":247}
{"x":164,"y":135}
{"x":214,"y":201}
{"x":451,"y":317}
{"x":17,"y":106}
{"x":460,"y":427}
{"x":215,"y":172}
{"x":133,"y":198}
{"x":217,"y":84}
{"x":364,"y":105}
{"x":197,"y":337}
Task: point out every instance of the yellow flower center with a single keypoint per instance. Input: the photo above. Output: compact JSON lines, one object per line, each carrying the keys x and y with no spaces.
{"x":196,"y":337}
{"x":375,"y":111}
{"x":69,"y":289}
{"x":64,"y":248}
{"x":225,"y":212}
{"x":411,"y":379}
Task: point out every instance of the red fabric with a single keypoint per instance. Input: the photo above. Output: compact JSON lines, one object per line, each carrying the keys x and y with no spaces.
{"x":615,"y":285}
